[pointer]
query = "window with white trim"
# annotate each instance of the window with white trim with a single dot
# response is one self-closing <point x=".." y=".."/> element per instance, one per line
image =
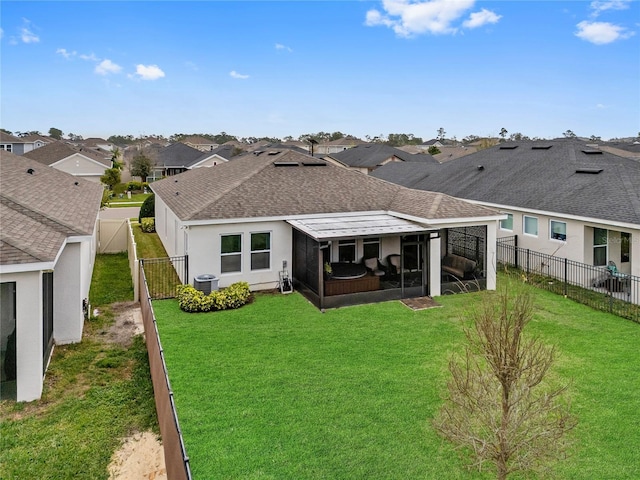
<point x="507" y="223"/>
<point x="7" y="147"/>
<point x="530" y="226"/>
<point x="231" y="253"/>
<point x="600" y="246"/>
<point x="371" y="247"/>
<point x="347" y="250"/>
<point x="260" y="251"/>
<point x="625" y="247"/>
<point x="558" y="230"/>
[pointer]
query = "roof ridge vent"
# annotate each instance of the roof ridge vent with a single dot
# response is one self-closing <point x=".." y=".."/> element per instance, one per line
<point x="286" y="164"/>
<point x="592" y="152"/>
<point x="508" y="147"/>
<point x="541" y="147"/>
<point x="314" y="164"/>
<point x="590" y="170"/>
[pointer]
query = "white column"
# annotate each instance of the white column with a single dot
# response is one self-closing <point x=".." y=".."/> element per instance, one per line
<point x="490" y="261"/>
<point x="434" y="267"/>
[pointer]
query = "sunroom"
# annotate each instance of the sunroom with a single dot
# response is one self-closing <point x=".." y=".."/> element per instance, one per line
<point x="353" y="259"/>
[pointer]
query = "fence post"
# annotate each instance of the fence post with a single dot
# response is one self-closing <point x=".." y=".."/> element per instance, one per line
<point x="527" y="262"/>
<point x="566" y="270"/>
<point x="515" y="243"/>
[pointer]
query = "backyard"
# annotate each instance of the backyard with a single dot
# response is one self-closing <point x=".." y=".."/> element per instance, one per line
<point x="278" y="389"/>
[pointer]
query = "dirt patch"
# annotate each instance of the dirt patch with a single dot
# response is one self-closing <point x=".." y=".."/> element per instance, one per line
<point x="127" y="323"/>
<point x="140" y="457"/>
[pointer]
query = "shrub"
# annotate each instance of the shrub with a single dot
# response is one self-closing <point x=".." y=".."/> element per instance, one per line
<point x="148" y="225"/>
<point x="192" y="300"/>
<point x="148" y="208"/>
<point x="134" y="186"/>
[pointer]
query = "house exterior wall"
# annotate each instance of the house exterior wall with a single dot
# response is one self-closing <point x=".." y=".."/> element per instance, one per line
<point x="205" y="247"/>
<point x="28" y="333"/>
<point x="579" y="242"/>
<point x="67" y="295"/>
<point x="80" y="166"/>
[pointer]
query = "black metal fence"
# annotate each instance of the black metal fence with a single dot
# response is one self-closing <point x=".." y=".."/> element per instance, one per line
<point x="163" y="275"/>
<point x="594" y="286"/>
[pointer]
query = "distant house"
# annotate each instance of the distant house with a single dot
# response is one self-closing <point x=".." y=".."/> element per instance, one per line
<point x="562" y="197"/>
<point x="272" y="212"/>
<point x="47" y="251"/>
<point x="366" y="158"/>
<point x="97" y="144"/>
<point x="178" y="157"/>
<point x="22" y="145"/>
<point x="200" y="143"/>
<point x="335" y="146"/>
<point x="79" y="162"/>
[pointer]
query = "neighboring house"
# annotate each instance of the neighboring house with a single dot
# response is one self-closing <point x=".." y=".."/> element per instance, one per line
<point x="47" y="252"/>
<point x="22" y="145"/>
<point x="366" y="158"/>
<point x="200" y="143"/>
<point x="79" y="162"/>
<point x="335" y="146"/>
<point x="451" y="153"/>
<point x="97" y="144"/>
<point x="271" y="211"/>
<point x="562" y="197"/>
<point x="178" y="157"/>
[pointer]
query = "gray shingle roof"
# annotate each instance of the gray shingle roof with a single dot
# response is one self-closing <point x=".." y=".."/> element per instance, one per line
<point x="178" y="155"/>
<point x="529" y="176"/>
<point x="374" y="154"/>
<point x="56" y="151"/>
<point x="256" y="186"/>
<point x="39" y="210"/>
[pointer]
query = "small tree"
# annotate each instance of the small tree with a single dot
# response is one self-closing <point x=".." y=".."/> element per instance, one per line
<point x="141" y="166"/>
<point x="433" y="150"/>
<point x="55" y="133"/>
<point x="441" y="133"/>
<point x="148" y="208"/>
<point x="503" y="133"/>
<point x="111" y="177"/>
<point x="498" y="404"/>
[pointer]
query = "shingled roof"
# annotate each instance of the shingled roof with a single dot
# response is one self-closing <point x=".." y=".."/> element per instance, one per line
<point x="561" y="176"/>
<point x="56" y="151"/>
<point x="288" y="183"/>
<point x="40" y="207"/>
<point x="372" y="155"/>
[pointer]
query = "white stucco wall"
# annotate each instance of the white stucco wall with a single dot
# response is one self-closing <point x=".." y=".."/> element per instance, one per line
<point x="204" y="252"/>
<point x="67" y="295"/>
<point x="28" y="333"/>
<point x="80" y="166"/>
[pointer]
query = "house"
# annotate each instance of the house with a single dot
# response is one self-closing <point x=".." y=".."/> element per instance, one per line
<point x="47" y="251"/>
<point x="179" y="157"/>
<point x="366" y="158"/>
<point x="78" y="161"/>
<point x="21" y="145"/>
<point x="276" y="212"/>
<point x="561" y="197"/>
<point x="200" y="143"/>
<point x="97" y="143"/>
<point x="335" y="146"/>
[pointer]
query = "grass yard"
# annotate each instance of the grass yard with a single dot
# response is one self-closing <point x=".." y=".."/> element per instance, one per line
<point x="148" y="245"/>
<point x="277" y="389"/>
<point x="96" y="393"/>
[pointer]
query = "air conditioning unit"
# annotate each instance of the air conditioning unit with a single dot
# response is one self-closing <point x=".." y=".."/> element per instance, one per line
<point x="206" y="283"/>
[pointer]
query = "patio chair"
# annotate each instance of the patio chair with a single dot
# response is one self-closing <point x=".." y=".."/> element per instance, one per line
<point x="374" y="266"/>
<point x="393" y="261"/>
<point x="613" y="280"/>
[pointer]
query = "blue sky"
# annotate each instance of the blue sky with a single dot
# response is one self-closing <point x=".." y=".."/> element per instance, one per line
<point x="366" y="68"/>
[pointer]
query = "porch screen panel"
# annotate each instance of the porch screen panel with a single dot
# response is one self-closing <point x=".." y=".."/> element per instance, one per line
<point x="47" y="316"/>
<point x="305" y="260"/>
<point x="468" y="242"/>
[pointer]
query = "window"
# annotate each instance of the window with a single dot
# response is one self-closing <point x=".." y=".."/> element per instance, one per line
<point x="558" y="230"/>
<point x="230" y="253"/>
<point x="371" y="248"/>
<point x="6" y="147"/>
<point x="507" y="224"/>
<point x="531" y="226"/>
<point x="599" y="247"/>
<point x="625" y="244"/>
<point x="347" y="250"/>
<point x="260" y="251"/>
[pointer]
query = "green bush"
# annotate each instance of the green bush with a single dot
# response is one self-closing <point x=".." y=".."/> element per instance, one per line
<point x="192" y="300"/>
<point x="148" y="225"/>
<point x="134" y="186"/>
<point x="148" y="208"/>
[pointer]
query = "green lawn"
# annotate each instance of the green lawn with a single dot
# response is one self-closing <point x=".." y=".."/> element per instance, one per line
<point x="280" y="390"/>
<point x="95" y="394"/>
<point x="148" y="245"/>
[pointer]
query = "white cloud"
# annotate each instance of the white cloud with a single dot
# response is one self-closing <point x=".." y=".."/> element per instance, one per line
<point x="149" y="72"/>
<point x="65" y="53"/>
<point x="235" y="74"/>
<point x="90" y="58"/>
<point x="27" y="36"/>
<point x="408" y="18"/>
<point x="599" y="6"/>
<point x="1" y="33"/>
<point x="280" y="46"/>
<point x="106" y="67"/>
<point x="483" y="17"/>
<point x="601" y="33"/>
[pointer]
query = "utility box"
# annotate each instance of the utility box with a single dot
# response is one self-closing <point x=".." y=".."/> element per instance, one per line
<point x="206" y="283"/>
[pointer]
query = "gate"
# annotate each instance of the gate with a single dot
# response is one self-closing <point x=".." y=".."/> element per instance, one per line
<point x="163" y="275"/>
